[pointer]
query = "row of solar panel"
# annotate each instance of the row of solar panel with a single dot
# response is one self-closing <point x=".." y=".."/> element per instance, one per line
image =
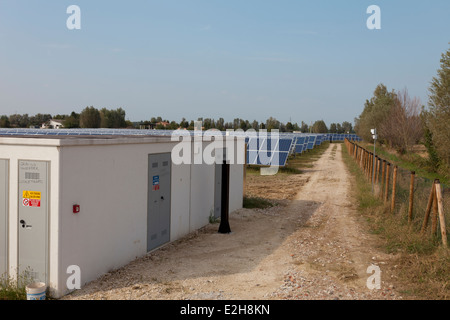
<point x="103" y="131"/>
<point x="81" y="132"/>
<point x="260" y="152"/>
<point x="262" y="149"/>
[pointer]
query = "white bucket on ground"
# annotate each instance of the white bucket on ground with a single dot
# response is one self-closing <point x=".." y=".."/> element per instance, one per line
<point x="36" y="291"/>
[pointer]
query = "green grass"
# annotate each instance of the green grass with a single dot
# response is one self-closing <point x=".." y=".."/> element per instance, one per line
<point x="12" y="289"/>
<point x="289" y="170"/>
<point x="256" y="203"/>
<point x="423" y="264"/>
<point x="255" y="170"/>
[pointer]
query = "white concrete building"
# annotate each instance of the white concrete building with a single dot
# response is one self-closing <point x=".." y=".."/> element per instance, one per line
<point x="99" y="202"/>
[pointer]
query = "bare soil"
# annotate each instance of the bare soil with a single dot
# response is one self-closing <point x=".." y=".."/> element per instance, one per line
<point x="312" y="245"/>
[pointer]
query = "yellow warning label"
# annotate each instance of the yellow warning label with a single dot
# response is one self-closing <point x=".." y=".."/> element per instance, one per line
<point x="31" y="195"/>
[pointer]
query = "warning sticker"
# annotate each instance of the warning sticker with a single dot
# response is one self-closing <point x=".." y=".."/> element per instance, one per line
<point x="155" y="183"/>
<point x="31" y="198"/>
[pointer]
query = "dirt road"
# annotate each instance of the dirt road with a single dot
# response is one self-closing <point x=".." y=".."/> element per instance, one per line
<point x="312" y="247"/>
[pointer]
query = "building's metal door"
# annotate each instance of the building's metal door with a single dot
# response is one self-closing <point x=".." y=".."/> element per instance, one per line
<point x="158" y="200"/>
<point x="33" y="218"/>
<point x="4" y="197"/>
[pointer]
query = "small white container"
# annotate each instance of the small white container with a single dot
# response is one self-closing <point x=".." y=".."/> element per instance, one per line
<point x="36" y="291"/>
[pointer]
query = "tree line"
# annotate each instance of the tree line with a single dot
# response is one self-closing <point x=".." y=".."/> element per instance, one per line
<point x="238" y="123"/>
<point x="402" y="122"/>
<point x="91" y="117"/>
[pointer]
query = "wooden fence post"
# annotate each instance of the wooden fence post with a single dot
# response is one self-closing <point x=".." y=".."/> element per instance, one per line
<point x="411" y="197"/>
<point x="394" y="187"/>
<point x="441" y="212"/>
<point x="434" y="217"/>
<point x="360" y="156"/>
<point x="383" y="177"/>
<point x="428" y="210"/>
<point x="386" y="190"/>
<point x="377" y="172"/>
<point x="371" y="166"/>
<point x="364" y="161"/>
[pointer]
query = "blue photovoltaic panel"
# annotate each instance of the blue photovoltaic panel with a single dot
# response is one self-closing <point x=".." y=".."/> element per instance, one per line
<point x="300" y="140"/>
<point x="282" y="158"/>
<point x="264" y="158"/>
<point x="277" y="159"/>
<point x="299" y="148"/>
<point x="252" y="157"/>
<point x="319" y="140"/>
<point x="253" y="144"/>
<point x="306" y="141"/>
<point x="311" y="142"/>
<point x="268" y="151"/>
<point x="285" y="145"/>
<point x="299" y="144"/>
<point x="84" y="132"/>
<point x="294" y="143"/>
<point x="322" y="138"/>
<point x="268" y="144"/>
<point x="305" y="144"/>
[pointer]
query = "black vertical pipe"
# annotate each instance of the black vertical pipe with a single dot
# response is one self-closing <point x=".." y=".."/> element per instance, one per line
<point x="224" y="226"/>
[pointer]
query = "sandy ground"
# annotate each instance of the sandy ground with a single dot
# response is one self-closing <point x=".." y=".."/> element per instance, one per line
<point x="311" y="246"/>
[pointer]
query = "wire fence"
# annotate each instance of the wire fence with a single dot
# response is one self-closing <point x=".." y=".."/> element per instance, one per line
<point x="422" y="203"/>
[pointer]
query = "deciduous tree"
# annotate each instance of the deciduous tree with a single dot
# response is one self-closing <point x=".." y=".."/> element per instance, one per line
<point x="438" y="115"/>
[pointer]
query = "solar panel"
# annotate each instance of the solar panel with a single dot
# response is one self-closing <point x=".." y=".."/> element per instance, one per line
<point x="268" y="151"/>
<point x="311" y="142"/>
<point x="318" y="140"/>
<point x="299" y="144"/>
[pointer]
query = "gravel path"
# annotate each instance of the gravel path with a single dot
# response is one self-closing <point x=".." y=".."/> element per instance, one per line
<point x="312" y="247"/>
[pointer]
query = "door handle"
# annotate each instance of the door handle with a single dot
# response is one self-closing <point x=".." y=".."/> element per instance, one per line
<point x="22" y="222"/>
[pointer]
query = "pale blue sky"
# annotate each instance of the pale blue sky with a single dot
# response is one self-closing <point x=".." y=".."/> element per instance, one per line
<point x="250" y="59"/>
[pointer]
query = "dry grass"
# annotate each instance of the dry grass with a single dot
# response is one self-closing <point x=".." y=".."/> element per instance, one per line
<point x="423" y="265"/>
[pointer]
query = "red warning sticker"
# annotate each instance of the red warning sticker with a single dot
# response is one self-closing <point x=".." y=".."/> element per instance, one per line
<point x="31" y="199"/>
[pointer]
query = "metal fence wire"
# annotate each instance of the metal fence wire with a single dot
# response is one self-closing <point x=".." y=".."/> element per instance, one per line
<point x="415" y="199"/>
